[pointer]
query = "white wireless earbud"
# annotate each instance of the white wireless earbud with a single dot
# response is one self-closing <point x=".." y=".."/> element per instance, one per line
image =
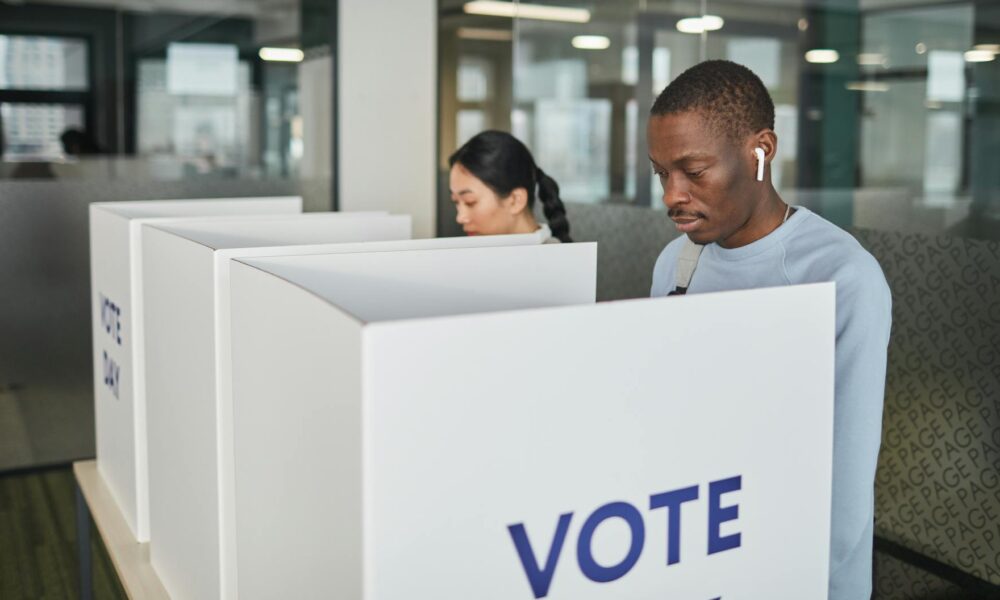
<point x="760" y="163"/>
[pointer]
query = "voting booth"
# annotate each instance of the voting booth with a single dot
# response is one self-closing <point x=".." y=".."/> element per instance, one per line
<point x="116" y="288"/>
<point x="456" y="424"/>
<point x="185" y="267"/>
<point x="190" y="422"/>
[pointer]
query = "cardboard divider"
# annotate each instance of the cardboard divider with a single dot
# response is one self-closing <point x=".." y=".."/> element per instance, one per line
<point x="184" y="267"/>
<point x="444" y="282"/>
<point x="443" y="443"/>
<point x="116" y="292"/>
<point x="193" y="357"/>
<point x="493" y="433"/>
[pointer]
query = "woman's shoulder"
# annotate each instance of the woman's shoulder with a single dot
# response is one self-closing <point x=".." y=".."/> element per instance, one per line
<point x="545" y="234"/>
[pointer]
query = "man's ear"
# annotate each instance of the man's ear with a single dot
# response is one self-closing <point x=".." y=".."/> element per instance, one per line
<point x="517" y="201"/>
<point x="766" y="140"/>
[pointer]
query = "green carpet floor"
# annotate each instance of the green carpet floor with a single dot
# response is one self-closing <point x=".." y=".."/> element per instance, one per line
<point x="38" y="552"/>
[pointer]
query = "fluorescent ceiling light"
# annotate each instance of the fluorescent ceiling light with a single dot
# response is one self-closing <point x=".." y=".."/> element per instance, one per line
<point x="822" y="56"/>
<point x="871" y="59"/>
<point x="976" y="56"/>
<point x="488" y="35"/>
<point x="700" y="24"/>
<point x="591" y="42"/>
<point x="868" y="86"/>
<point x="712" y="22"/>
<point x="994" y="48"/>
<point x="690" y="25"/>
<point x="527" y="11"/>
<point x="281" y="54"/>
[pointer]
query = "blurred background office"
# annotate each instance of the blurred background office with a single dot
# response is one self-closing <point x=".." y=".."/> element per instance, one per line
<point x="888" y="118"/>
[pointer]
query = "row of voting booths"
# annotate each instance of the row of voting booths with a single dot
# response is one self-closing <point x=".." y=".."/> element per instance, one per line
<point x="315" y="405"/>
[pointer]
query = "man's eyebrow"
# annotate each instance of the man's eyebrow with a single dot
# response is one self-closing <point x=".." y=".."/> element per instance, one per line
<point x="694" y="156"/>
<point x="690" y="156"/>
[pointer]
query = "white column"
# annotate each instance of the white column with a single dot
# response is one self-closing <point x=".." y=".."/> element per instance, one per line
<point x="386" y="87"/>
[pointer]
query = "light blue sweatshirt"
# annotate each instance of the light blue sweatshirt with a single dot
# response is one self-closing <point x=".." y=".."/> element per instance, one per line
<point x="809" y="249"/>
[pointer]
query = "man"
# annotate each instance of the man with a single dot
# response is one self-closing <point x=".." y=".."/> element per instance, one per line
<point x="711" y="141"/>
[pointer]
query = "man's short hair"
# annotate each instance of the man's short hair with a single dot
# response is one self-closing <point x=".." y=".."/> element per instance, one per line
<point x="731" y="98"/>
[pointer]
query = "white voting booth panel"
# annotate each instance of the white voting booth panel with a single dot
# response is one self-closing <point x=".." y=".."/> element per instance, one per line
<point x="189" y="398"/>
<point x="394" y="442"/>
<point x="185" y="267"/>
<point x="116" y="284"/>
<point x="210" y="234"/>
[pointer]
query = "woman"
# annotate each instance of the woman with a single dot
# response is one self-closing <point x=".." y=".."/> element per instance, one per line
<point x="493" y="184"/>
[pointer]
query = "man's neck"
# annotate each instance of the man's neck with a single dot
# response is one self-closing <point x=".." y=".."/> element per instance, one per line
<point x="768" y="216"/>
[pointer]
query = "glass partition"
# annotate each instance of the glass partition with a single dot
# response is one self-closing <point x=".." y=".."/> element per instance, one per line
<point x="885" y="111"/>
<point x="174" y="93"/>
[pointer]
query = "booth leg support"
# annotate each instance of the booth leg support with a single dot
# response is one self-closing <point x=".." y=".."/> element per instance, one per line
<point x="83" y="546"/>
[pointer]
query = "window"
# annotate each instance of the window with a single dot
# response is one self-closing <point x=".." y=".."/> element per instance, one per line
<point x="32" y="131"/>
<point x="43" y="63"/>
<point x="44" y="92"/>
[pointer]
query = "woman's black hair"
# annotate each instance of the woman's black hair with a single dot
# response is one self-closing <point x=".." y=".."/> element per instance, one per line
<point x="504" y="164"/>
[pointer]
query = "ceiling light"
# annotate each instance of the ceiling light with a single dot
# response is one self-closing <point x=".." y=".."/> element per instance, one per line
<point x="527" y="11"/>
<point x="822" y="56"/>
<point x="868" y="86"/>
<point x="920" y="48"/>
<point x="871" y="59"/>
<point x="281" y="54"/>
<point x="691" y="25"/>
<point x="483" y="34"/>
<point x="591" y="42"/>
<point x="994" y="48"/>
<point x="700" y="24"/>
<point x="712" y="22"/>
<point x="977" y="56"/>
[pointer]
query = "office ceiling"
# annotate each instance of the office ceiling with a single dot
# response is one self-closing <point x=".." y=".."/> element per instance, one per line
<point x="262" y="8"/>
<point x="686" y="5"/>
<point x="248" y="8"/>
<point x="987" y="12"/>
<point x="283" y="15"/>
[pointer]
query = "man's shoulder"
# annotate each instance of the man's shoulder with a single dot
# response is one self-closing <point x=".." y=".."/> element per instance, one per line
<point x="663" y="271"/>
<point x="672" y="250"/>
<point x="825" y="252"/>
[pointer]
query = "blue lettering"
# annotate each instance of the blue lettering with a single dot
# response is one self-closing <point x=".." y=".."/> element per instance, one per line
<point x="539" y="579"/>
<point x="591" y="569"/>
<point x="111" y="319"/>
<point x="718" y="515"/>
<point x="112" y="374"/>
<point x="672" y="501"/>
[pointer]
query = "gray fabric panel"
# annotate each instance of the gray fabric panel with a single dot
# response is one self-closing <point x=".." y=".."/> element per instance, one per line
<point x="897" y="580"/>
<point x="938" y="483"/>
<point x="629" y="240"/>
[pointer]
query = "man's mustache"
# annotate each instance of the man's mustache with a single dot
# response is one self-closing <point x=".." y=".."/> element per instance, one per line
<point x="674" y="213"/>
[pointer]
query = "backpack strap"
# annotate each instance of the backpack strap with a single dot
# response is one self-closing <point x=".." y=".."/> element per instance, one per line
<point x="687" y="262"/>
